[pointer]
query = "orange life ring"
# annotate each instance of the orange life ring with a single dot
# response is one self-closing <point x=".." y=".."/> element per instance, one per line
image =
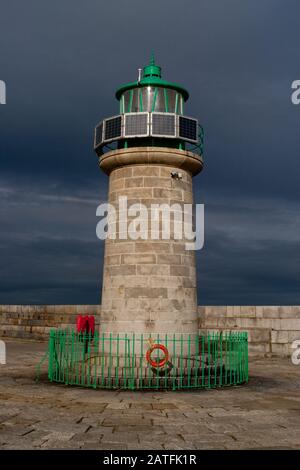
<point x="163" y="361"/>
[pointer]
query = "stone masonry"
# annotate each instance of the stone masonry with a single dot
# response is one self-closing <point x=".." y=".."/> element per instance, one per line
<point x="272" y="329"/>
<point x="149" y="285"/>
<point x="264" y="414"/>
<point x="34" y="322"/>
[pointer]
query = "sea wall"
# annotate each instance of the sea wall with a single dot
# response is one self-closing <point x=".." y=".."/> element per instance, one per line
<point x="272" y="329"/>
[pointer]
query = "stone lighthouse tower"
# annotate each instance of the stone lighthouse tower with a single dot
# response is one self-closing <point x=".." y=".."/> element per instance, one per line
<point x="150" y="151"/>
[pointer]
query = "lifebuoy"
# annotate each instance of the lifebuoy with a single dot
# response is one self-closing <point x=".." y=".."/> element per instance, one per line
<point x="163" y="361"/>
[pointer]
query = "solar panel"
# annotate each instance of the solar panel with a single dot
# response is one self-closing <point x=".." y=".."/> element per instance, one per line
<point x="143" y="124"/>
<point x="188" y="128"/>
<point x="112" y="128"/>
<point x="136" y="124"/>
<point x="98" y="134"/>
<point x="163" y="124"/>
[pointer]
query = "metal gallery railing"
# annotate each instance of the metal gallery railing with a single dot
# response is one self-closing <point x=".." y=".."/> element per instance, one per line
<point x="119" y="131"/>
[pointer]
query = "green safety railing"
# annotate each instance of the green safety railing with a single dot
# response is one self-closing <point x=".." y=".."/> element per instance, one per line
<point x="131" y="361"/>
<point x="199" y="147"/>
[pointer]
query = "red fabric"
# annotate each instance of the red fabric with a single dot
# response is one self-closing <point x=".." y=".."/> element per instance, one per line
<point x="81" y="320"/>
<point x="85" y="324"/>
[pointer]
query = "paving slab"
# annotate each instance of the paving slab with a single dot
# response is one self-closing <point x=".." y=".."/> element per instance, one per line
<point x="263" y="414"/>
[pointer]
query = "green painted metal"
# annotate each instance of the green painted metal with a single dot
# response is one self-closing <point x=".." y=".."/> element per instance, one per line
<point x="130" y="102"/>
<point x="176" y="104"/>
<point x="195" y="148"/>
<point x="122" y="105"/>
<point x="141" y="101"/>
<point x="166" y="100"/>
<point x="109" y="360"/>
<point x="152" y="77"/>
<point x="152" y="70"/>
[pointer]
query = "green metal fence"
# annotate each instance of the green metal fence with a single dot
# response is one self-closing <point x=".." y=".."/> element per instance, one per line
<point x="129" y="361"/>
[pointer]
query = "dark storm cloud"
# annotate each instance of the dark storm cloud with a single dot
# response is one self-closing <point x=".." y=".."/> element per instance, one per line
<point x="50" y="269"/>
<point x="62" y="62"/>
<point x="54" y="255"/>
<point x="252" y="250"/>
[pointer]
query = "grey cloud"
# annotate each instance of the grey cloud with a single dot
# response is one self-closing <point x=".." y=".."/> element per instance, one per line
<point x="62" y="62"/>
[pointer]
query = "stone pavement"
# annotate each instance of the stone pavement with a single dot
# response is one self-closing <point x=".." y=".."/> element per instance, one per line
<point x="264" y="414"/>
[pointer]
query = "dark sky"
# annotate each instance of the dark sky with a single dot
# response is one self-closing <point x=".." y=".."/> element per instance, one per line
<point x="62" y="61"/>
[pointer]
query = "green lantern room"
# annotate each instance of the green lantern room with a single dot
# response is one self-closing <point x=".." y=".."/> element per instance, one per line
<point x="151" y="114"/>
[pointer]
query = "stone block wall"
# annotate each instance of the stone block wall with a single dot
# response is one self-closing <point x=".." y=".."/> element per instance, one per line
<point x="35" y="321"/>
<point x="149" y="281"/>
<point x="271" y="329"/>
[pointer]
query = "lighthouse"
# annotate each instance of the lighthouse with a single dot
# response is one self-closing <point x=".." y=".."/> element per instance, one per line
<point x="149" y="337"/>
<point x="150" y="151"/>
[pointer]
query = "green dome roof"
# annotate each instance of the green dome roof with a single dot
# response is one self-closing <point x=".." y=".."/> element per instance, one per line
<point x="152" y="77"/>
